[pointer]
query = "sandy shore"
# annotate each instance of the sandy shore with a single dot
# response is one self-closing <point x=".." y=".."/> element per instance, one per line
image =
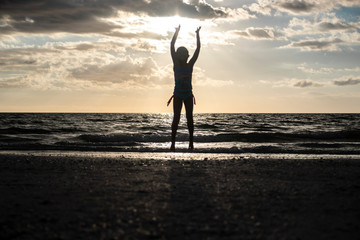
<point x="47" y="197"/>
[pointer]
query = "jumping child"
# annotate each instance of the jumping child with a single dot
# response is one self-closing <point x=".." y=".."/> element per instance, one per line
<point x="183" y="87"/>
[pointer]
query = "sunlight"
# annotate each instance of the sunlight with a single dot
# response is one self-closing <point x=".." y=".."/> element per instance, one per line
<point x="163" y="25"/>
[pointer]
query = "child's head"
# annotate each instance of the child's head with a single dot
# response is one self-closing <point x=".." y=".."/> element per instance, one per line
<point x="182" y="54"/>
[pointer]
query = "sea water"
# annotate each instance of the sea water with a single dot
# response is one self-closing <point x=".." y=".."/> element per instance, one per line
<point x="305" y="134"/>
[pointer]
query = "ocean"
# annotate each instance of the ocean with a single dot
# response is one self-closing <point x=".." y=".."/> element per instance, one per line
<point x="235" y="134"/>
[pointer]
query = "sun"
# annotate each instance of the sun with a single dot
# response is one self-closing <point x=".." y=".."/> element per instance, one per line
<point x="132" y="23"/>
<point x="157" y="31"/>
<point x="163" y="25"/>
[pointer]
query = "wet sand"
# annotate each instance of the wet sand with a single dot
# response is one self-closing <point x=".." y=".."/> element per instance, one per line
<point x="54" y="197"/>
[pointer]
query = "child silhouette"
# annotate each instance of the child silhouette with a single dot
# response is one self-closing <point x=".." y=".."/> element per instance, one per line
<point x="183" y="86"/>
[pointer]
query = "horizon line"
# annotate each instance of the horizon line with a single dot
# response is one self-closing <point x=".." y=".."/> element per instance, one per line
<point x="194" y="112"/>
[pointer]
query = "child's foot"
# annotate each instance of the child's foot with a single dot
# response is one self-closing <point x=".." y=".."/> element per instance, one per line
<point x="191" y="146"/>
<point x="172" y="148"/>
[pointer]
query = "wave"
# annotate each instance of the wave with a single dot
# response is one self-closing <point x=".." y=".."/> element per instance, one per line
<point x="123" y="138"/>
<point x="326" y="145"/>
<point x="17" y="130"/>
<point x="346" y="135"/>
<point x="150" y="136"/>
<point x="353" y="136"/>
<point x="233" y="150"/>
<point x="206" y="126"/>
<point x="16" y="139"/>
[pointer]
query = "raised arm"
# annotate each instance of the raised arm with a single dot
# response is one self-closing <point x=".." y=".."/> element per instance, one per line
<point x="197" y="51"/>
<point x="172" y="45"/>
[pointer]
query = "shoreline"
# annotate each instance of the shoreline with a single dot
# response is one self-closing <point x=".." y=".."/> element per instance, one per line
<point x="92" y="197"/>
<point x="179" y="155"/>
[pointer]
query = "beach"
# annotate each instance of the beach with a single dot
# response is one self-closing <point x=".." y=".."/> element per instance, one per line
<point x="59" y="196"/>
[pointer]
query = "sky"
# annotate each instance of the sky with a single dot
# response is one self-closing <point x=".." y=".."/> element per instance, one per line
<point x="264" y="56"/>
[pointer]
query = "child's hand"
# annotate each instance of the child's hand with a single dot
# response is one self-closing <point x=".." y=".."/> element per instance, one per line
<point x="197" y="30"/>
<point x="177" y="29"/>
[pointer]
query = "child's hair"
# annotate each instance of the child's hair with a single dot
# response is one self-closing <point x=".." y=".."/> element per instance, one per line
<point x="182" y="50"/>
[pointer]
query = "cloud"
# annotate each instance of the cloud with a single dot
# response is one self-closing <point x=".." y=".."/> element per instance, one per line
<point x="88" y="65"/>
<point x="260" y="8"/>
<point x="347" y="82"/>
<point x="164" y="8"/>
<point x="40" y="16"/>
<point x="307" y="83"/>
<point x="293" y="82"/>
<point x="236" y="14"/>
<point x="324" y="33"/>
<point x="77" y="67"/>
<point x="84" y="47"/>
<point x="294" y="7"/>
<point x="47" y="16"/>
<point x="258" y="33"/>
<point x="322" y="70"/>
<point x="315" y="69"/>
<point x="127" y="71"/>
<point x="139" y="73"/>
<point x="328" y="26"/>
<point x="299" y="7"/>
<point x="48" y="67"/>
<point x="16" y="62"/>
<point x="355" y="69"/>
<point x="316" y="45"/>
<point x="15" y="82"/>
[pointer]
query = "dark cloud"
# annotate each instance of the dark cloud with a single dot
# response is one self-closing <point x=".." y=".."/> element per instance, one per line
<point x="16" y="62"/>
<point x="241" y="33"/>
<point x="297" y="6"/>
<point x="316" y="44"/>
<point x="350" y="81"/>
<point x="207" y="11"/>
<point x="40" y="16"/>
<point x="300" y="7"/>
<point x="84" y="16"/>
<point x="326" y="26"/>
<point x="294" y="7"/>
<point x="258" y="33"/>
<point x="306" y="83"/>
<point x="84" y="47"/>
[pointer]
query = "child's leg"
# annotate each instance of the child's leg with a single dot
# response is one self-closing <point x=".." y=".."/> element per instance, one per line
<point x="177" y="105"/>
<point x="189" y="106"/>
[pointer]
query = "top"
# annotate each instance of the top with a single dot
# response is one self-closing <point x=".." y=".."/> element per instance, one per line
<point x="183" y="86"/>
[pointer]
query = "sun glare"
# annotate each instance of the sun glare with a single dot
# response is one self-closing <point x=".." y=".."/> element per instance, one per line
<point x="163" y="25"/>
